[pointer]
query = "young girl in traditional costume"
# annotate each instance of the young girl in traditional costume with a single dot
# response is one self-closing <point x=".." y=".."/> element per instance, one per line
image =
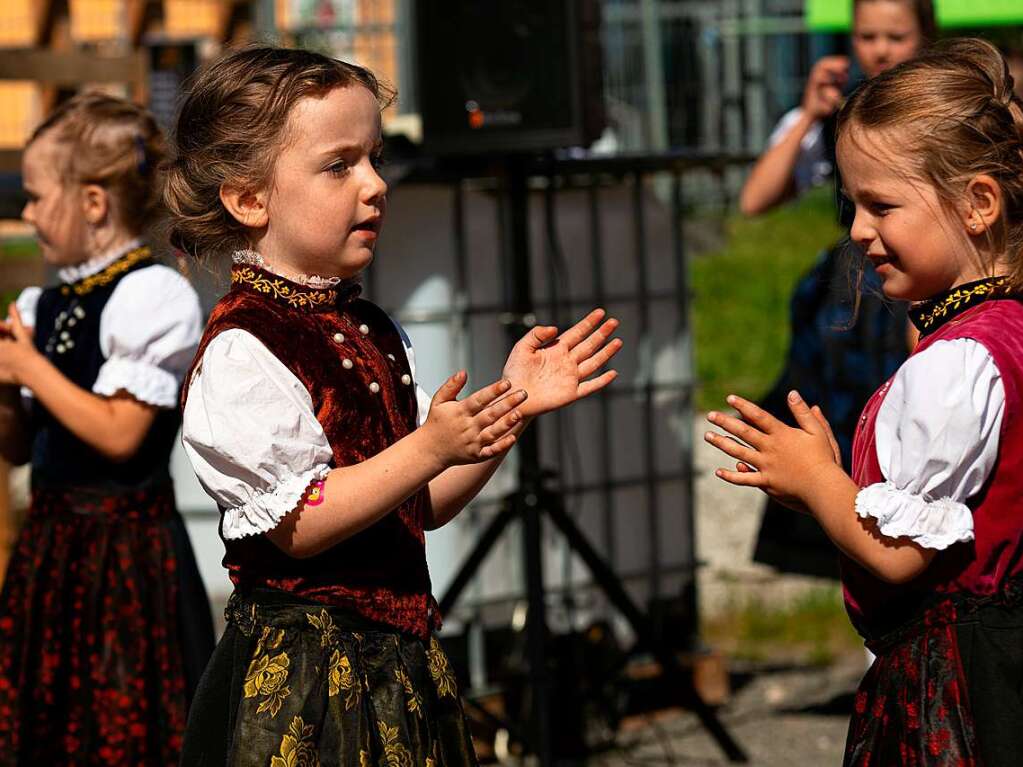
<point x="929" y="523"/>
<point x="302" y="420"/>
<point x="104" y="624"/>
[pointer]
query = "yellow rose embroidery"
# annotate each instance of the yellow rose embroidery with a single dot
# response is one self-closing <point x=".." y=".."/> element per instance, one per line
<point x="267" y="675"/>
<point x="413" y="700"/>
<point x="394" y="751"/>
<point x="297" y="747"/>
<point x="340" y="677"/>
<point x="325" y="624"/>
<point x="442" y="675"/>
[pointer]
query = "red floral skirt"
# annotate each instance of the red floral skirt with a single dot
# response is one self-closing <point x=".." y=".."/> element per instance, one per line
<point x="946" y="687"/>
<point x="103" y="624"/>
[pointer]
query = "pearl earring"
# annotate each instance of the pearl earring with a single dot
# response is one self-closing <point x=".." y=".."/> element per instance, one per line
<point x="973" y="227"/>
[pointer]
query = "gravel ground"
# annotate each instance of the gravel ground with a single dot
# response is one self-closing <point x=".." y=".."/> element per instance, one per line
<point x="782" y="717"/>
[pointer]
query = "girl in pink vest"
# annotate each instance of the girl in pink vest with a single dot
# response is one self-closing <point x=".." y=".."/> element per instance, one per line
<point x="303" y="420"/>
<point x="930" y="524"/>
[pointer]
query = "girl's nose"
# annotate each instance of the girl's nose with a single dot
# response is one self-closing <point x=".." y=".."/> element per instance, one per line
<point x="861" y="232"/>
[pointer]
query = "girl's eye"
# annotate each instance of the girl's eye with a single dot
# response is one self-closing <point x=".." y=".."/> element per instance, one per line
<point x="339" y="168"/>
<point x="378" y="160"/>
<point x="880" y="208"/>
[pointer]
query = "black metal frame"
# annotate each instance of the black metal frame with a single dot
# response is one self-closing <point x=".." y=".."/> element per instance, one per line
<point x="533" y="501"/>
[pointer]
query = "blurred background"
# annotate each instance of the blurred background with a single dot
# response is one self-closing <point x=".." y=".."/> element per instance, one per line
<point x="641" y="122"/>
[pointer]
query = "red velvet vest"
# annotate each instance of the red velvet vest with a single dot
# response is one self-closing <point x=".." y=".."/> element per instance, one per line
<point x="982" y="565"/>
<point x="349" y="355"/>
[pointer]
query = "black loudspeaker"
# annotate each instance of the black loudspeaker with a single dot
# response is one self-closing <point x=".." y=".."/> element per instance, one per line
<point x="508" y="75"/>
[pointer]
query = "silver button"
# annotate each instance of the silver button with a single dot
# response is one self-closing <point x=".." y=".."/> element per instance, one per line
<point x="364" y="329"/>
<point x="339" y="338"/>
<point x="79" y="312"/>
<point x="60" y="348"/>
<point x="346" y="364"/>
<point x="69" y="344"/>
<point x="374" y="387"/>
<point x="64" y="336"/>
<point x="71" y="322"/>
<point x="406" y="379"/>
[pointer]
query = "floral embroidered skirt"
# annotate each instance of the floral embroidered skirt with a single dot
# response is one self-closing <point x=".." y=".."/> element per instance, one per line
<point x="946" y="688"/>
<point x="104" y="630"/>
<point x="295" y="683"/>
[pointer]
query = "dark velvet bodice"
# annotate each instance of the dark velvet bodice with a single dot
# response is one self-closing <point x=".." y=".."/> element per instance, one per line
<point x="67" y="331"/>
<point x="349" y="355"/>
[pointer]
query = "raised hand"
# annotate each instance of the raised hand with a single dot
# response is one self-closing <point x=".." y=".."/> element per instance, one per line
<point x="823" y="94"/>
<point x="780" y="460"/>
<point x="477" y="428"/>
<point x="556" y="369"/>
<point x="16" y="347"/>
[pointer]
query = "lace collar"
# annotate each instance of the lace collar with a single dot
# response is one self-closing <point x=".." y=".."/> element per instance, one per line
<point x="931" y="314"/>
<point x="96" y="264"/>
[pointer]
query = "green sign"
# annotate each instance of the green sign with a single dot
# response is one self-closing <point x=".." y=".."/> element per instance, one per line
<point x="836" y="15"/>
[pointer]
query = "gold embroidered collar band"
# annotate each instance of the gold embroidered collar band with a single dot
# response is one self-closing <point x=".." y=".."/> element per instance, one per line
<point x="931" y="314"/>
<point x="106" y="275"/>
<point x="292" y="294"/>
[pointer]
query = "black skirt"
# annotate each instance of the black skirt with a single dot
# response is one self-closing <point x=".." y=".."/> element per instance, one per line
<point x="104" y="628"/>
<point x="946" y="688"/>
<point x="295" y="683"/>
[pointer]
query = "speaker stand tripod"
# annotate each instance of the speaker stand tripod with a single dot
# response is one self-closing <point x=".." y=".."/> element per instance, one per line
<point x="532" y="503"/>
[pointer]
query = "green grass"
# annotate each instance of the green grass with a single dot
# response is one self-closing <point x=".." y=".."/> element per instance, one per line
<point x="741" y="295"/>
<point x="11" y="250"/>
<point x="813" y="629"/>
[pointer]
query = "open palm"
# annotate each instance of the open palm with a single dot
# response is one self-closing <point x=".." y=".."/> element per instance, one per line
<point x="555" y="369"/>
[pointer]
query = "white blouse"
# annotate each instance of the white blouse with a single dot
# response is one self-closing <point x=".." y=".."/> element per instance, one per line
<point x="937" y="440"/>
<point x="251" y="434"/>
<point x="149" y="330"/>
<point x="813" y="167"/>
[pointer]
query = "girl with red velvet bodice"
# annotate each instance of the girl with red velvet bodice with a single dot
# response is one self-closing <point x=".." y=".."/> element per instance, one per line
<point x="304" y="421"/>
<point x="928" y="525"/>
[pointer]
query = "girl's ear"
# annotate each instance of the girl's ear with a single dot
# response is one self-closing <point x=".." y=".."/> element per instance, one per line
<point x="983" y="204"/>
<point x="95" y="203"/>
<point x="247" y="207"/>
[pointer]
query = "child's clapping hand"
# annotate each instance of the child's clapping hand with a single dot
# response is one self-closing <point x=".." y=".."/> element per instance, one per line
<point x="556" y="369"/>
<point x="781" y="460"/>
<point x="477" y="428"/>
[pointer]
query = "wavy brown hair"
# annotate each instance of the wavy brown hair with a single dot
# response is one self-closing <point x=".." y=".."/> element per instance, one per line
<point x="231" y="128"/>
<point x="951" y="115"/>
<point x="115" y="144"/>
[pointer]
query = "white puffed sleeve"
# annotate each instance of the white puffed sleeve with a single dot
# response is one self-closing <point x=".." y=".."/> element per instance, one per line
<point x="26" y="302"/>
<point x="423" y="398"/>
<point x="148" y="332"/>
<point x="937" y="442"/>
<point x="251" y="434"/>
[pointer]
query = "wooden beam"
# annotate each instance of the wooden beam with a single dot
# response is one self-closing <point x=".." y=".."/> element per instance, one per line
<point x="72" y="67"/>
<point x="10" y="161"/>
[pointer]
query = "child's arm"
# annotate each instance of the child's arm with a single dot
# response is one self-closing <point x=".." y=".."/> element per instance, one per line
<point x="478" y="428"/>
<point x="555" y="370"/>
<point x="115" y="427"/>
<point x="797" y="466"/>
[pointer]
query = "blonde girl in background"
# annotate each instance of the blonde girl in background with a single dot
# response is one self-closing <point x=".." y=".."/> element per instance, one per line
<point x="104" y="623"/>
